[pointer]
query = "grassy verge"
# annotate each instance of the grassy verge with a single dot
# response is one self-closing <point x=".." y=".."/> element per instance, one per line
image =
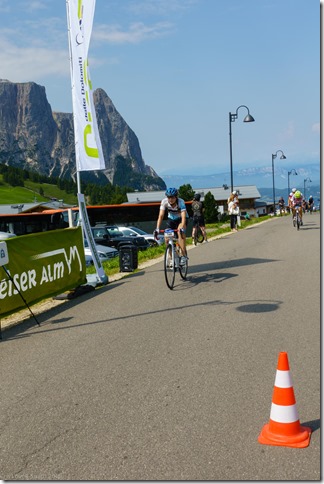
<point x="30" y="193"/>
<point x="111" y="267"/>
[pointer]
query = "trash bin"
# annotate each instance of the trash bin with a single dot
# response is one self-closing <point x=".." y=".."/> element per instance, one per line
<point x="128" y="257"/>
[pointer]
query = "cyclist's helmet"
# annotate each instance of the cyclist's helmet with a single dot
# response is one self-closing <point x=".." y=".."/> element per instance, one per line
<point x="197" y="196"/>
<point x="297" y="194"/>
<point x="171" y="192"/>
<point x="293" y="190"/>
<point x="234" y="193"/>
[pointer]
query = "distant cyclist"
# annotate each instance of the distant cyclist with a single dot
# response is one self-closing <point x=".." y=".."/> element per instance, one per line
<point x="281" y="204"/>
<point x="198" y="216"/>
<point x="177" y="218"/>
<point x="290" y="201"/>
<point x="310" y="204"/>
<point x="297" y="202"/>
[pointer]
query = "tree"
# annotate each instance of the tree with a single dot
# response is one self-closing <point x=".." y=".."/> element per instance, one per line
<point x="211" y="209"/>
<point x="186" y="192"/>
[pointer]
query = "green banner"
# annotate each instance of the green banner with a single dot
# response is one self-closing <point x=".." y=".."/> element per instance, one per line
<point x="40" y="266"/>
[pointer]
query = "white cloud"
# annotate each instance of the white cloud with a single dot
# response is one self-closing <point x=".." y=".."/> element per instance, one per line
<point x="137" y="32"/>
<point x="22" y="64"/>
<point x="160" y="7"/>
<point x="35" y="5"/>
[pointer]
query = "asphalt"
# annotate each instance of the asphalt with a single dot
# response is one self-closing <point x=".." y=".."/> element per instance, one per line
<point x="50" y="303"/>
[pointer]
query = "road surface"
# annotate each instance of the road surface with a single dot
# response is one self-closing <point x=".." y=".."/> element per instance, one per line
<point x="137" y="382"/>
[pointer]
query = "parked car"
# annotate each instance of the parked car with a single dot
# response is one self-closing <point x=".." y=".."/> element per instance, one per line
<point x="105" y="253"/>
<point x="135" y="232"/>
<point x="109" y="235"/>
<point x="6" y="235"/>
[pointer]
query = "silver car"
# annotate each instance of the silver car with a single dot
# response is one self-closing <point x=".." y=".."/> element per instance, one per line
<point x="105" y="253"/>
<point x="135" y="232"/>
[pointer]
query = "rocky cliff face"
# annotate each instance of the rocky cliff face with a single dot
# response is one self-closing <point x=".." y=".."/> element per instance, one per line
<point x="35" y="138"/>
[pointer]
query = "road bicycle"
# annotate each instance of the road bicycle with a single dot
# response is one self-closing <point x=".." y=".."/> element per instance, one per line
<point x="296" y="220"/>
<point x="172" y="258"/>
<point x="198" y="235"/>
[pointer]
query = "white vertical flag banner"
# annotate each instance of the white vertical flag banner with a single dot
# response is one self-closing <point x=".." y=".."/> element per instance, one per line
<point x="88" y="149"/>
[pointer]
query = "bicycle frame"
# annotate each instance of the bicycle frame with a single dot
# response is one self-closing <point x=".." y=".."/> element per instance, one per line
<point x="296" y="218"/>
<point x="172" y="257"/>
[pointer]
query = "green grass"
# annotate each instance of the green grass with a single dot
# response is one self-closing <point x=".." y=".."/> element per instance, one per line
<point x="30" y="193"/>
<point x="111" y="267"/>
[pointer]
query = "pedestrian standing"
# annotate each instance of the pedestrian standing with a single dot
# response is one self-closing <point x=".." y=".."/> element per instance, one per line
<point x="233" y="209"/>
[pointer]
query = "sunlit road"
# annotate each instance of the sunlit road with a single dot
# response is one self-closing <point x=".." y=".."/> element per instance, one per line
<point x="137" y="382"/>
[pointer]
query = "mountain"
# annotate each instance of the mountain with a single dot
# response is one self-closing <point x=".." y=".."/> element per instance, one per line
<point x="258" y="176"/>
<point x="35" y="138"/>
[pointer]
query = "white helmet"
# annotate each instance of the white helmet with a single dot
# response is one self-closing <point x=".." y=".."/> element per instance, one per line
<point x="293" y="190"/>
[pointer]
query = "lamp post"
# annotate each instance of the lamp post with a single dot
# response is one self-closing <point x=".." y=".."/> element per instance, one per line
<point x="309" y="180"/>
<point x="291" y="172"/>
<point x="248" y="119"/>
<point x="282" y="157"/>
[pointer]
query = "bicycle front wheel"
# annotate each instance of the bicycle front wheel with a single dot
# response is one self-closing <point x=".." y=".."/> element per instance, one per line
<point x="183" y="269"/>
<point x="298" y="222"/>
<point x="169" y="267"/>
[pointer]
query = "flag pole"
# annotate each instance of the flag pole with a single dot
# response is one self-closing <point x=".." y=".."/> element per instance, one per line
<point x="88" y="150"/>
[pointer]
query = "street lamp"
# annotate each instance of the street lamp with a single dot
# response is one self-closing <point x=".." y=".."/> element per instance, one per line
<point x="309" y="180"/>
<point x="282" y="157"/>
<point x="291" y="172"/>
<point x="248" y="119"/>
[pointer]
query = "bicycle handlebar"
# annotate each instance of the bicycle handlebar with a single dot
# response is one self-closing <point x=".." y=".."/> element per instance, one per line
<point x="166" y="230"/>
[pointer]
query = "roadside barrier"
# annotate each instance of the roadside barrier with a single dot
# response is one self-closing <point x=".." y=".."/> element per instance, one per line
<point x="284" y="427"/>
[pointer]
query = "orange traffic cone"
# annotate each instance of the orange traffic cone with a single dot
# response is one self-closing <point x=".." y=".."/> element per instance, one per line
<point x="284" y="427"/>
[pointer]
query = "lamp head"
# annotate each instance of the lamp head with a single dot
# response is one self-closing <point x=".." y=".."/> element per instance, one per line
<point x="248" y="118"/>
<point x="282" y="157"/>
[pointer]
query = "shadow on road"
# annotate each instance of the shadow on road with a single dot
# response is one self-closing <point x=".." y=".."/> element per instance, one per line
<point x="258" y="308"/>
<point x="18" y="332"/>
<point x="192" y="279"/>
<point x="313" y="424"/>
<point x="212" y="266"/>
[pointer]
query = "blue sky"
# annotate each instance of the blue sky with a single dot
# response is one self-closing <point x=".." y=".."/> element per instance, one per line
<point x="174" y="69"/>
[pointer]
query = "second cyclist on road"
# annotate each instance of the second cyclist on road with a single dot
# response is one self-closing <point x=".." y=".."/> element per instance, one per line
<point x="198" y="216"/>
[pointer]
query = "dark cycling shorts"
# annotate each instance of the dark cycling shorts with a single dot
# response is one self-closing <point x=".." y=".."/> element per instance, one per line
<point x="173" y="224"/>
<point x="200" y="220"/>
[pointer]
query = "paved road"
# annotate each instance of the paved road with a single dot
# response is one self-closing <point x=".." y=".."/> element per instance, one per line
<point x="137" y="382"/>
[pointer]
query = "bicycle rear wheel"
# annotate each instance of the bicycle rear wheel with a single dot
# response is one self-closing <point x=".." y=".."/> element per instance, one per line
<point x="169" y="267"/>
<point x="195" y="237"/>
<point x="200" y="236"/>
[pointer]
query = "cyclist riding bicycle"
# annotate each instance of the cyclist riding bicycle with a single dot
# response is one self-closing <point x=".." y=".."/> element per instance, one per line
<point x="281" y="204"/>
<point x="177" y="218"/>
<point x="310" y="204"/>
<point x="297" y="202"/>
<point x="198" y="216"/>
<point x="290" y="200"/>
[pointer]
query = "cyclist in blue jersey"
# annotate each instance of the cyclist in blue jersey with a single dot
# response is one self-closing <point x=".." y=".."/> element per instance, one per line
<point x="177" y="217"/>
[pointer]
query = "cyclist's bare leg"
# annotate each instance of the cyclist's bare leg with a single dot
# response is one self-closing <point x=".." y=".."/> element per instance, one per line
<point x="182" y="243"/>
<point x="301" y="214"/>
<point x="203" y="229"/>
